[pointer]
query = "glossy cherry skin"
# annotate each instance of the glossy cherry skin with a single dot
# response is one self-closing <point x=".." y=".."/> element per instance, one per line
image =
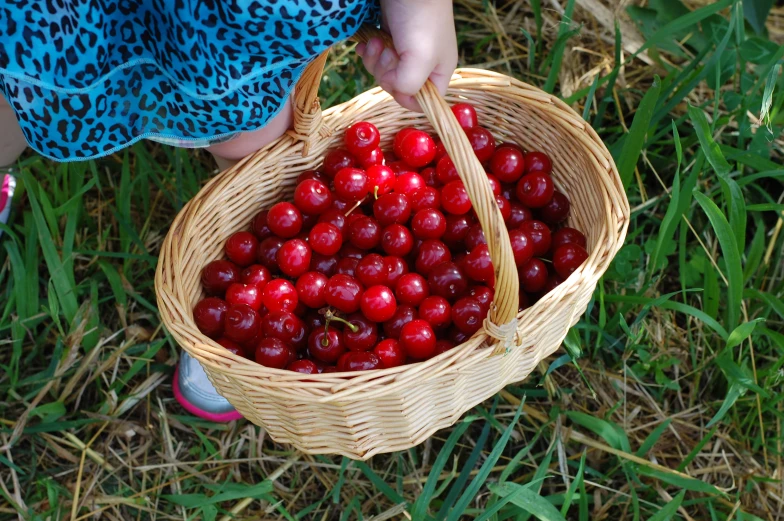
<point x="361" y="138"/>
<point x="456" y="336"/>
<point x="440" y="149"/>
<point x="538" y="162"/>
<point x="325" y="264"/>
<point x="482" y="141"/>
<point x="397" y="240"/>
<point x="378" y="303"/>
<point x="556" y="210"/>
<point x="248" y="294"/>
<point x="518" y="215"/>
<point x="313" y="174"/>
<point x="241" y="323"/>
<point x="507" y="164"/>
<point x="495" y="184"/>
<point x="411" y="289"/>
<point x="446" y="171"/>
<point x="567" y="258"/>
<point x="428" y="224"/>
<point x="285" y="220"/>
<point x="475" y="237"/>
<point x="390" y="353"/>
<point x="325" y="238"/>
<point x="360" y="361"/>
<point x="273" y="352"/>
<point x="567" y="236"/>
<point x="465" y="114"/>
<point x="364" y="233"/>
<point x="553" y="281"/>
<point x="535" y="189"/>
<point x="533" y="275"/>
<point x="311" y="289"/>
<point x="454" y="198"/>
<point x="351" y="184"/>
<point x="347" y="266"/>
<point x="402" y="316"/>
<point x="442" y="346"/>
<point x="303" y="366"/>
<point x="209" y="315"/>
<point x="467" y="315"/>
<point x="540" y="236"/>
<point x="241" y="248"/>
<point x="294" y="257"/>
<point x="457" y="227"/>
<point x="483" y="295"/>
<point x="218" y="275"/>
<point x="257" y="275"/>
<point x="334" y="217"/>
<point x="436" y="311"/>
<point x="232" y="346"/>
<point x="398" y="167"/>
<point x="330" y="352"/>
<point x="343" y="293"/>
<point x="522" y="246"/>
<point x="510" y="144"/>
<point x="349" y="251"/>
<point x="285" y="326"/>
<point x="392" y="208"/>
<point x="418" y="339"/>
<point x="395" y="267"/>
<point x="381" y="179"/>
<point x="430" y="177"/>
<point x="431" y="253"/>
<point x="426" y="197"/>
<point x="364" y="338"/>
<point x="478" y="264"/>
<point x="416" y="148"/>
<point x="446" y="280"/>
<point x="370" y="270"/>
<point x="504" y="207"/>
<point x="408" y="183"/>
<point x="336" y="160"/>
<point x="259" y="226"/>
<point x="312" y="197"/>
<point x="279" y="295"/>
<point x="373" y="158"/>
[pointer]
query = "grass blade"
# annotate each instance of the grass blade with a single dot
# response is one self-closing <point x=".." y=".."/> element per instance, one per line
<point x="634" y="140"/>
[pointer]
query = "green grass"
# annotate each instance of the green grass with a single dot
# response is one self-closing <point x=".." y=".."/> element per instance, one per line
<point x="673" y="410"/>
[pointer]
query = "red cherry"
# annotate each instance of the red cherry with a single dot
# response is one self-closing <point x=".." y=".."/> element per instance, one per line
<point x="555" y="211"/>
<point x="411" y="289"/>
<point x="478" y="264"/>
<point x="467" y="315"/>
<point x="436" y="311"/>
<point x="362" y="362"/>
<point x="457" y="337"/>
<point x="209" y="315"/>
<point x="507" y="164"/>
<point x="351" y="252"/>
<point x="482" y="142"/>
<point x="418" y="340"/>
<point x="465" y="114"/>
<point x="325" y="264"/>
<point x="347" y="266"/>
<point x="446" y="280"/>
<point x="504" y="207"/>
<point x="267" y="253"/>
<point x="416" y="148"/>
<point x="371" y="271"/>
<point x="334" y="217"/>
<point x="475" y="237"/>
<point x="395" y="268"/>
<point x="336" y="160"/>
<point x="457" y="227"/>
<point x="248" y="294"/>
<point x="454" y="198"/>
<point x="398" y="167"/>
<point x="539" y="233"/>
<point x="272" y="352"/>
<point x="538" y="162"/>
<point x="231" y="346"/>
<point x="440" y="149"/>
<point x="343" y="293"/>
<point x="535" y="189"/>
<point x="423" y="198"/>
<point x="257" y="275"/>
<point x="294" y="257"/>
<point x="495" y="184"/>
<point x="313" y="174"/>
<point x="428" y="224"/>
<point x="431" y="254"/>
<point x="567" y="236"/>
<point x="430" y="177"/>
<point x="442" y="346"/>
<point x="390" y="353"/>
<point x="303" y="366"/>
<point x="365" y="336"/>
<point x="402" y="316"/>
<point x="241" y="324"/>
<point x="351" y="184"/>
<point x="279" y="295"/>
<point x="311" y="289"/>
<point x="483" y="295"/>
<point x="241" y="248"/>
<point x="553" y="281"/>
<point x="518" y="215"/>
<point x="381" y="179"/>
<point x="286" y="327"/>
<point x="446" y="171"/>
<point x="397" y="240"/>
<point x="522" y="246"/>
<point x="285" y="220"/>
<point x="325" y="239"/>
<point x="312" y="197"/>
<point x="408" y="183"/>
<point x="218" y="275"/>
<point x="364" y="233"/>
<point x="326" y="346"/>
<point x="515" y="146"/>
<point x="378" y="303"/>
<point x="523" y="301"/>
<point x="567" y="258"/>
<point x="259" y="226"/>
<point x="533" y="275"/>
<point x="372" y="158"/>
<point x="362" y="138"/>
<point x="391" y="209"/>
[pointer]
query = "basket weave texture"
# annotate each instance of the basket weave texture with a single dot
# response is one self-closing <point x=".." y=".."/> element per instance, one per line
<point x="360" y="415"/>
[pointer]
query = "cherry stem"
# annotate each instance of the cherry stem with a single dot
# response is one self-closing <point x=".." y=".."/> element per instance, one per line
<point x="329" y="317"/>
<point x="354" y="207"/>
<point x="375" y="192"/>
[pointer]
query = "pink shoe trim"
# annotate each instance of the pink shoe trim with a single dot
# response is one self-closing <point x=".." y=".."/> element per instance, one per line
<point x="4" y="191"/>
<point x="209" y="416"/>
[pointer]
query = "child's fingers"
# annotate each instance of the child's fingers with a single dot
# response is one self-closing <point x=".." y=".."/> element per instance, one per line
<point x="409" y="75"/>
<point x="371" y="54"/>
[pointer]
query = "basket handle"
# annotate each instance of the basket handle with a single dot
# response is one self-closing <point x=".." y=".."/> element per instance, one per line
<point x="309" y="125"/>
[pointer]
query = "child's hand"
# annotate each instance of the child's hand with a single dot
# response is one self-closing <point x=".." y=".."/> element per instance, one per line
<point x="425" y="47"/>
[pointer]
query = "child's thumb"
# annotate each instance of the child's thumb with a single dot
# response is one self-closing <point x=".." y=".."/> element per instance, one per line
<point x="409" y="75"/>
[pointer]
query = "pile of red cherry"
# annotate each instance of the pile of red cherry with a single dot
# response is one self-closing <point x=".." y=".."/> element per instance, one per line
<point x="378" y="263"/>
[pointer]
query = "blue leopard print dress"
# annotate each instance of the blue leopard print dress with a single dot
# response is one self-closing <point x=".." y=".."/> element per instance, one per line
<point x="86" y="78"/>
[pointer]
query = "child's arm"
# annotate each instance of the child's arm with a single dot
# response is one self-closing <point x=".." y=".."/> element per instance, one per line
<point x="425" y="47"/>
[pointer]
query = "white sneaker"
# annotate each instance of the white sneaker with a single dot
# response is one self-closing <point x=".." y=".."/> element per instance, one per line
<point x="197" y="395"/>
<point x="6" y="197"/>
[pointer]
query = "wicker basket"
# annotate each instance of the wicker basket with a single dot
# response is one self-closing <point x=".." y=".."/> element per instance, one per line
<point x="359" y="415"/>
